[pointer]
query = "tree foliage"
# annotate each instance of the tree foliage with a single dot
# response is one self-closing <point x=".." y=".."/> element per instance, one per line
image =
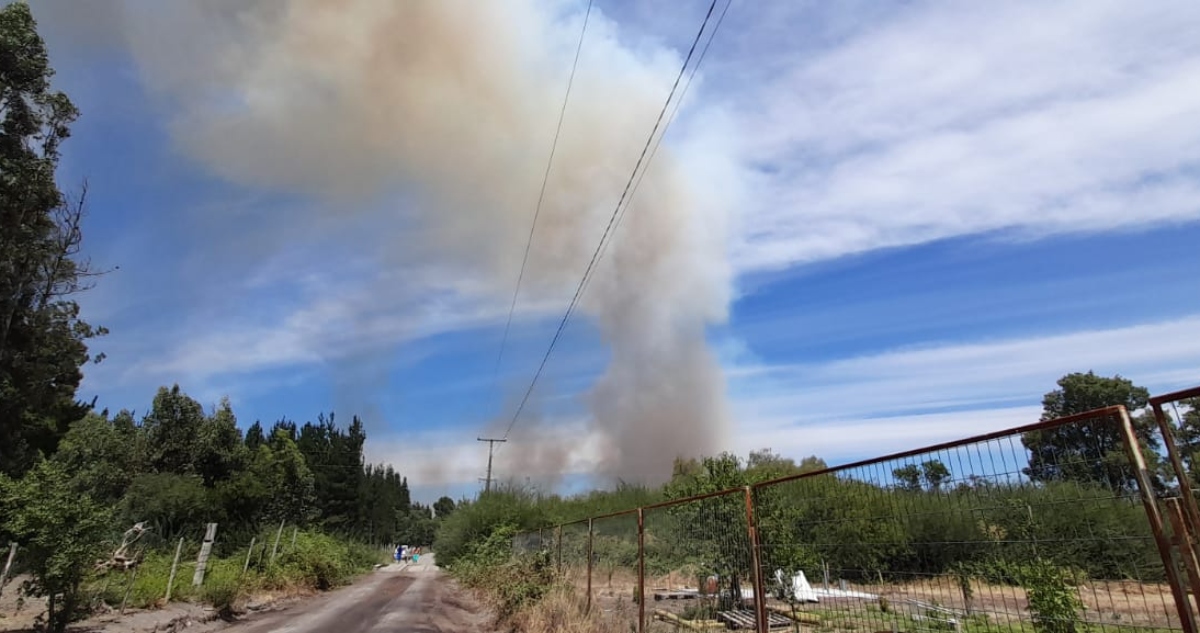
<point x="43" y="340"/>
<point x="61" y="531"/>
<point x="1093" y="450"/>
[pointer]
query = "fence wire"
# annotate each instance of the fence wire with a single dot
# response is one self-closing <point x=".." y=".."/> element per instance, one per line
<point x="614" y="599"/>
<point x="1065" y="526"/>
<point x="699" y="563"/>
<point x="1043" y="530"/>
<point x="1177" y="417"/>
<point x="571" y="555"/>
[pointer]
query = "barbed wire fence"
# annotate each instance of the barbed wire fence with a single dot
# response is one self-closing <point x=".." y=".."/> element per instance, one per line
<point x="1063" y="526"/>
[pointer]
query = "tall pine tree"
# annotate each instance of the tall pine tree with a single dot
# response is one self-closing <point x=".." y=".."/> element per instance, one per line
<point x="42" y="338"/>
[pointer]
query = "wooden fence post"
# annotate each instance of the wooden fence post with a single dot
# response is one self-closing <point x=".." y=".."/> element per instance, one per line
<point x="174" y="568"/>
<point x="275" y="548"/>
<point x="249" y="552"/>
<point x="294" y="531"/>
<point x="210" y="533"/>
<point x="12" y="555"/>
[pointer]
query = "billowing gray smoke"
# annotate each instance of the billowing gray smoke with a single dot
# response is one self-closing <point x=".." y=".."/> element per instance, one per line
<point x="447" y="108"/>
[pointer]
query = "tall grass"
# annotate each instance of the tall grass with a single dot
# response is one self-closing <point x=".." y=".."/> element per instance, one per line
<point x="317" y="562"/>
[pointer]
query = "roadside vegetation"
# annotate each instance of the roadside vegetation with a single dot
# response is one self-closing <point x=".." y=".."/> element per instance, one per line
<point x="1069" y="532"/>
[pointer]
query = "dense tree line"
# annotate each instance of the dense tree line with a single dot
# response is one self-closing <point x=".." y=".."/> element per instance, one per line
<point x="1063" y="499"/>
<point x="179" y="467"/>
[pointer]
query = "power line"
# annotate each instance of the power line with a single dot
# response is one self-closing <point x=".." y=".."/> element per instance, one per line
<point x="537" y="211"/>
<point x="670" y="119"/>
<point x="625" y="194"/>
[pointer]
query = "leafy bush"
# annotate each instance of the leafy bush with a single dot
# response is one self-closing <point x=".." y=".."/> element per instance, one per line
<point x="472" y="524"/>
<point x="60" y="531"/>
<point x="318" y="561"/>
<point x="511" y="582"/>
<point x="1053" y="599"/>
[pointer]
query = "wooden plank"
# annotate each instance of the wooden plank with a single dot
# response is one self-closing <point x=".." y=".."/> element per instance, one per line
<point x="746" y="619"/>
<point x="210" y="534"/>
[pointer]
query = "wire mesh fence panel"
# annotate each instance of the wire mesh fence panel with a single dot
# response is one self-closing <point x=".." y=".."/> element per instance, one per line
<point x="1177" y="420"/>
<point x="571" y="557"/>
<point x="698" y="564"/>
<point x="525" y="543"/>
<point x="1039" y="529"/>
<point x="615" y="570"/>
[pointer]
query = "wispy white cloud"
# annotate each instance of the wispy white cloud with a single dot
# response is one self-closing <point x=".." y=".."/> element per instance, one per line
<point x="951" y="120"/>
<point x="967" y="376"/>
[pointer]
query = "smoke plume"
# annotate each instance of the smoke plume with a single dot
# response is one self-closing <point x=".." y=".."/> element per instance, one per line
<point x="444" y="111"/>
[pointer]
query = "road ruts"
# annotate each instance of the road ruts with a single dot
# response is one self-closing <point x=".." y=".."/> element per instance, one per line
<point x="413" y="599"/>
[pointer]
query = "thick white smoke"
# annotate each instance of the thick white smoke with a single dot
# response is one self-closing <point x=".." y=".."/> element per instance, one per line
<point x="447" y="108"/>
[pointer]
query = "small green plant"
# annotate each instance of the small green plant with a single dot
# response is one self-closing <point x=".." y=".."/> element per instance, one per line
<point x="1053" y="600"/>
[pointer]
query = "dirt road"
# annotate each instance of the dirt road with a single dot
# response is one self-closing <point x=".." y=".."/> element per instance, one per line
<point x="416" y="599"/>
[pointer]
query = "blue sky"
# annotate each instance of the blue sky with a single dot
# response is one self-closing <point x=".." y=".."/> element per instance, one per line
<point x="907" y="220"/>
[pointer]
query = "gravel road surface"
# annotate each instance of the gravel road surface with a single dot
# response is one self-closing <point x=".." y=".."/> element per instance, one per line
<point x="395" y="599"/>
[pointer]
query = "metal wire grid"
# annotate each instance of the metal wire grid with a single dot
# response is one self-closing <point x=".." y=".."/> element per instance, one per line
<point x="1050" y="528"/>
<point x="614" y="598"/>
<point x="979" y="536"/>
<point x="698" y="561"/>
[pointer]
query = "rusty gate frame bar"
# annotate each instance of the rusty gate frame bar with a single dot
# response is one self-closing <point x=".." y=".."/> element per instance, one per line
<point x="1183" y="540"/>
<point x="1133" y="450"/>
<point x="558" y="536"/>
<point x="642" y="571"/>
<point x="1164" y="427"/>
<point x="760" y="594"/>
<point x="588" y="609"/>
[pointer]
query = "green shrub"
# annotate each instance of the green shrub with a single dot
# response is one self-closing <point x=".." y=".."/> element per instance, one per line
<point x="475" y="522"/>
<point x="318" y="561"/>
<point x="1053" y="599"/>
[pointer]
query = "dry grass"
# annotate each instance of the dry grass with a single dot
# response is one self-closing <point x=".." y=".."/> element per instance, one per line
<point x="1116" y="603"/>
<point x="563" y="610"/>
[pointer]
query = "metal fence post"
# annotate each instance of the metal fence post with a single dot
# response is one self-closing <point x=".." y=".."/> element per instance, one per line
<point x="756" y="577"/>
<point x="1133" y="449"/>
<point x="588" y="609"/>
<point x="1183" y="540"/>
<point x="1181" y="474"/>
<point x="641" y="582"/>
<point x="558" y="549"/>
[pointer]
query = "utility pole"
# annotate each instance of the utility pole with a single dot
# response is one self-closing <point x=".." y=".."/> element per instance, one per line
<point x="487" y="483"/>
